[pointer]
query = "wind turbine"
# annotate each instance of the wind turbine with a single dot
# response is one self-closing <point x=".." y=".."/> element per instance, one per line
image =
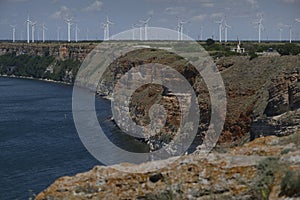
<point x="260" y="28"/>
<point x="69" y="23"/>
<point x="140" y="30"/>
<point x="13" y="32"/>
<point x="76" y="33"/>
<point x="28" y="28"/>
<point x="145" y="23"/>
<point x="180" y="28"/>
<point x="106" y="28"/>
<point x="220" y="28"/>
<point x="104" y="31"/>
<point x="133" y="31"/>
<point x="226" y="27"/>
<point x="44" y="28"/>
<point x="290" y="31"/>
<point x="32" y="31"/>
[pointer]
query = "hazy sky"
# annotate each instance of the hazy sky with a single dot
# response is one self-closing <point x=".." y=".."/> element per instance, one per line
<point x="89" y="14"/>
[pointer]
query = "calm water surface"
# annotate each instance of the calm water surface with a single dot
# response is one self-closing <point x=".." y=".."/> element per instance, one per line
<point x="38" y="139"/>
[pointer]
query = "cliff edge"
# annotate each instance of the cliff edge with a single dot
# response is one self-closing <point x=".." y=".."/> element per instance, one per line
<point x="266" y="168"/>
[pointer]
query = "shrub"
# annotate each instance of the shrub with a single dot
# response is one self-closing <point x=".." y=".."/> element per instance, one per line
<point x="290" y="184"/>
<point x="210" y="42"/>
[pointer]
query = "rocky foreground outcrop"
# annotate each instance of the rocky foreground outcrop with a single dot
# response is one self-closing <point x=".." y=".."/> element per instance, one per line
<point x="266" y="168"/>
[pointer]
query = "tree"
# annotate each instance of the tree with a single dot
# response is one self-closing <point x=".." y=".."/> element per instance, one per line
<point x="210" y="42"/>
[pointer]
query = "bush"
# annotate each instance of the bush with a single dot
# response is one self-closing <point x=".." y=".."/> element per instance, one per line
<point x="252" y="55"/>
<point x="35" y="66"/>
<point x="266" y="169"/>
<point x="210" y="42"/>
<point x="290" y="184"/>
<point x="26" y="65"/>
<point x="288" y="49"/>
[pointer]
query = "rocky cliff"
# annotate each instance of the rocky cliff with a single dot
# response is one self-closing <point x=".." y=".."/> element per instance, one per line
<point x="263" y="102"/>
<point x="51" y="61"/>
<point x="267" y="168"/>
<point x="257" y="88"/>
<point x="253" y="87"/>
<point x="263" y="97"/>
<point x="59" y="50"/>
<point x="281" y="115"/>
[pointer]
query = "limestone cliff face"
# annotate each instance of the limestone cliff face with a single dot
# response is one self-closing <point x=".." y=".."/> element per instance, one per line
<point x="267" y="168"/>
<point x="261" y="86"/>
<point x="253" y="87"/>
<point x="283" y="94"/>
<point x="58" y="50"/>
<point x="282" y="116"/>
<point x="148" y="95"/>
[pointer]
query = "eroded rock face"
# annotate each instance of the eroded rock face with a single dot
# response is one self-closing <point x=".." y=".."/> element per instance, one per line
<point x="283" y="109"/>
<point x="71" y="51"/>
<point x="257" y="170"/>
<point x="294" y="95"/>
<point x="284" y="94"/>
<point x="282" y="125"/>
<point x="148" y="95"/>
<point x="254" y="88"/>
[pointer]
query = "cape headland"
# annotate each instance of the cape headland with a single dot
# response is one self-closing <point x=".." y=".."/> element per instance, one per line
<point x="257" y="155"/>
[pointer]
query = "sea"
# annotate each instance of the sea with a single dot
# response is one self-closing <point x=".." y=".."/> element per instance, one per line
<point x="38" y="139"/>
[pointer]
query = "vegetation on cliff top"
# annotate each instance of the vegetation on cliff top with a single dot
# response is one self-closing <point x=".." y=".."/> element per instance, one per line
<point x="45" y="67"/>
<point x="218" y="50"/>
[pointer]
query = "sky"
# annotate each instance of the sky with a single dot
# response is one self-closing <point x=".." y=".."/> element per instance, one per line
<point x="201" y="15"/>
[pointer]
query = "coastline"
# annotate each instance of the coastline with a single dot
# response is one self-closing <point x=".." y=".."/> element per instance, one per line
<point x="38" y="79"/>
<point x="51" y="81"/>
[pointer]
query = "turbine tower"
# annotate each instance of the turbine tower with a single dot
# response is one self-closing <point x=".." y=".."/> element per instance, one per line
<point x="76" y="33"/>
<point x="28" y="27"/>
<point x="32" y="31"/>
<point x="180" y="28"/>
<point x="260" y="28"/>
<point x="133" y="31"/>
<point x="145" y="23"/>
<point x="69" y="23"/>
<point x="106" y="28"/>
<point x="13" y="32"/>
<point x="226" y="27"/>
<point x="220" y="28"/>
<point x="140" y="26"/>
<point x="290" y="32"/>
<point x="44" y="28"/>
<point x="104" y="32"/>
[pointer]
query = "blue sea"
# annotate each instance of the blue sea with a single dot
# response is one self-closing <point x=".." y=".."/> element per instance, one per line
<point x="38" y="138"/>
